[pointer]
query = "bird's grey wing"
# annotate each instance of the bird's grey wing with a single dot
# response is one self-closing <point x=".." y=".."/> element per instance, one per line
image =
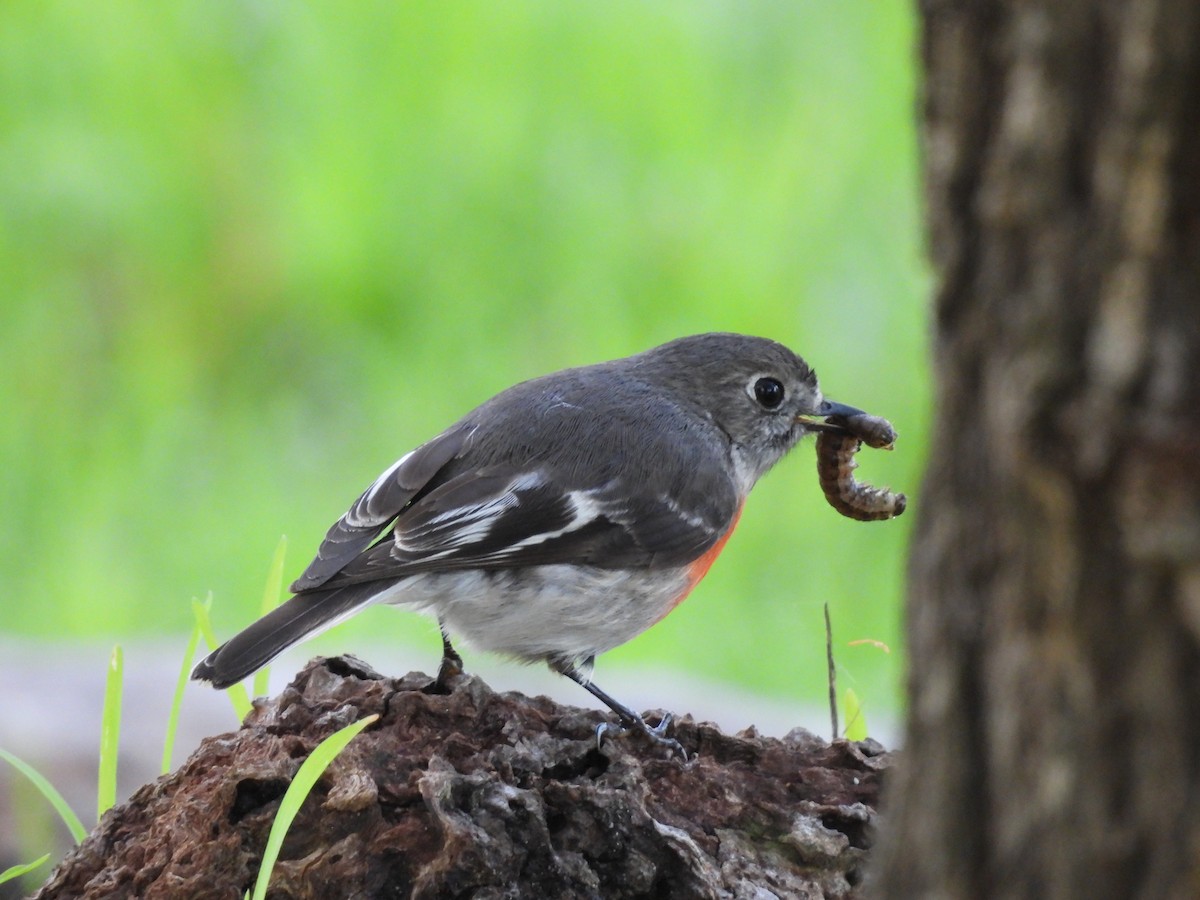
<point x="505" y="519"/>
<point x="369" y="516"/>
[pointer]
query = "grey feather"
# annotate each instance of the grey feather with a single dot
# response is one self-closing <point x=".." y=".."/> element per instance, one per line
<point x="369" y="515"/>
<point x="289" y="623"/>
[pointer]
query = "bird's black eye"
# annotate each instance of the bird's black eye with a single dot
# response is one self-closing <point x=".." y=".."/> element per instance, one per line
<point x="768" y="392"/>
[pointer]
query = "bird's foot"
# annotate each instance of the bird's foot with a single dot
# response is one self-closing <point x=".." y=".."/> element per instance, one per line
<point x="657" y="734"/>
<point x="452" y="664"/>
<point x="451" y="668"/>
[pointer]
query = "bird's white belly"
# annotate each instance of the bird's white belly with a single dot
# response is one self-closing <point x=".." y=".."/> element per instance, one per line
<point x="543" y="612"/>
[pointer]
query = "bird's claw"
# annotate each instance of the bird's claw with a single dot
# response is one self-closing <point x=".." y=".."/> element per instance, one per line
<point x="450" y="669"/>
<point x="657" y="734"/>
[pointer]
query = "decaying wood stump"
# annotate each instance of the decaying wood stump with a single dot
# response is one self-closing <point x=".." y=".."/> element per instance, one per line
<point x="485" y="795"/>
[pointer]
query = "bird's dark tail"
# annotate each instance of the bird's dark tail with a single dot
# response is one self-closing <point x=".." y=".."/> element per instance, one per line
<point x="303" y="616"/>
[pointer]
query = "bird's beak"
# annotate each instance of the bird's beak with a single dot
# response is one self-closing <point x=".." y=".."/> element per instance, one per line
<point x="829" y="408"/>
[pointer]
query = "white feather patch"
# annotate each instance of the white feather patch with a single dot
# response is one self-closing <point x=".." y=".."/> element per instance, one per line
<point x="471" y="524"/>
<point x="352" y="518"/>
<point x="584" y="509"/>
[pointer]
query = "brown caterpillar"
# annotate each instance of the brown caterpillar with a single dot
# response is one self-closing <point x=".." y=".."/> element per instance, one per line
<point x="836" y="465"/>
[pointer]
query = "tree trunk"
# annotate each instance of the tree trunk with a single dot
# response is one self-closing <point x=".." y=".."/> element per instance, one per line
<point x="1053" y="746"/>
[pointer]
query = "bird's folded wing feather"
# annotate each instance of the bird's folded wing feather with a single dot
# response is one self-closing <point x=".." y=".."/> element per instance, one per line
<point x="504" y="519"/>
<point x="368" y="518"/>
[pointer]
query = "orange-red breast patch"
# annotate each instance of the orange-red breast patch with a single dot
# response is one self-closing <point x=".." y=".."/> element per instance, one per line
<point x="699" y="568"/>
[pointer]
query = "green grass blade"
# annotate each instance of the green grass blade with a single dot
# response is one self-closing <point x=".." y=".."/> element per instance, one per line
<point x="270" y="600"/>
<point x="189" y="655"/>
<point x="856" y="722"/>
<point x="18" y="871"/>
<point x="237" y="694"/>
<point x="310" y="770"/>
<point x="53" y="796"/>
<point x="110" y="733"/>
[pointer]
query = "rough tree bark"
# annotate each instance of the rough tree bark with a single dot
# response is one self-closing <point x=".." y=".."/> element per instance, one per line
<point x="488" y="796"/>
<point x="1053" y="747"/>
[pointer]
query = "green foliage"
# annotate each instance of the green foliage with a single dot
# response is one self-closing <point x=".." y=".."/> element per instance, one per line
<point x="306" y="776"/>
<point x="47" y="790"/>
<point x="254" y="252"/>
<point x="110" y="733"/>
<point x="17" y="871"/>
<point x="237" y="693"/>
<point x="856" y="722"/>
<point x="185" y="671"/>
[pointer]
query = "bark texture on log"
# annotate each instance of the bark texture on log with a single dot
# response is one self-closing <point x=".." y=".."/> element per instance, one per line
<point x="1053" y="747"/>
<point x="485" y="795"/>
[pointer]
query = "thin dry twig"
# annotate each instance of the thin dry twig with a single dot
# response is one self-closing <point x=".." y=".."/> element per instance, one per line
<point x="833" y="711"/>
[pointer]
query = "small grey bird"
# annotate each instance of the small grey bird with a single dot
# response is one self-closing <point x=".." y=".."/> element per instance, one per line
<point x="562" y="517"/>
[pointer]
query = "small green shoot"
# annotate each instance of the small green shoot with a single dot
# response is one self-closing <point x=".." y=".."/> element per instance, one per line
<point x="110" y="733"/>
<point x="237" y="694"/>
<point x="18" y="871"/>
<point x="47" y="790"/>
<point x="185" y="670"/>
<point x="269" y="602"/>
<point x="856" y="722"/>
<point x="307" y="775"/>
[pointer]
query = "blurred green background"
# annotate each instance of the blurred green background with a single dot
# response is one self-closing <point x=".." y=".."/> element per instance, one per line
<point x="251" y="252"/>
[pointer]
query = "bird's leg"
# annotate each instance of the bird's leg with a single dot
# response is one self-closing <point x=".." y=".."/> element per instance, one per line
<point x="452" y="664"/>
<point x="629" y="719"/>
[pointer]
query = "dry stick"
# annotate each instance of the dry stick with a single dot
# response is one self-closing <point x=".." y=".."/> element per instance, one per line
<point x="833" y="713"/>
